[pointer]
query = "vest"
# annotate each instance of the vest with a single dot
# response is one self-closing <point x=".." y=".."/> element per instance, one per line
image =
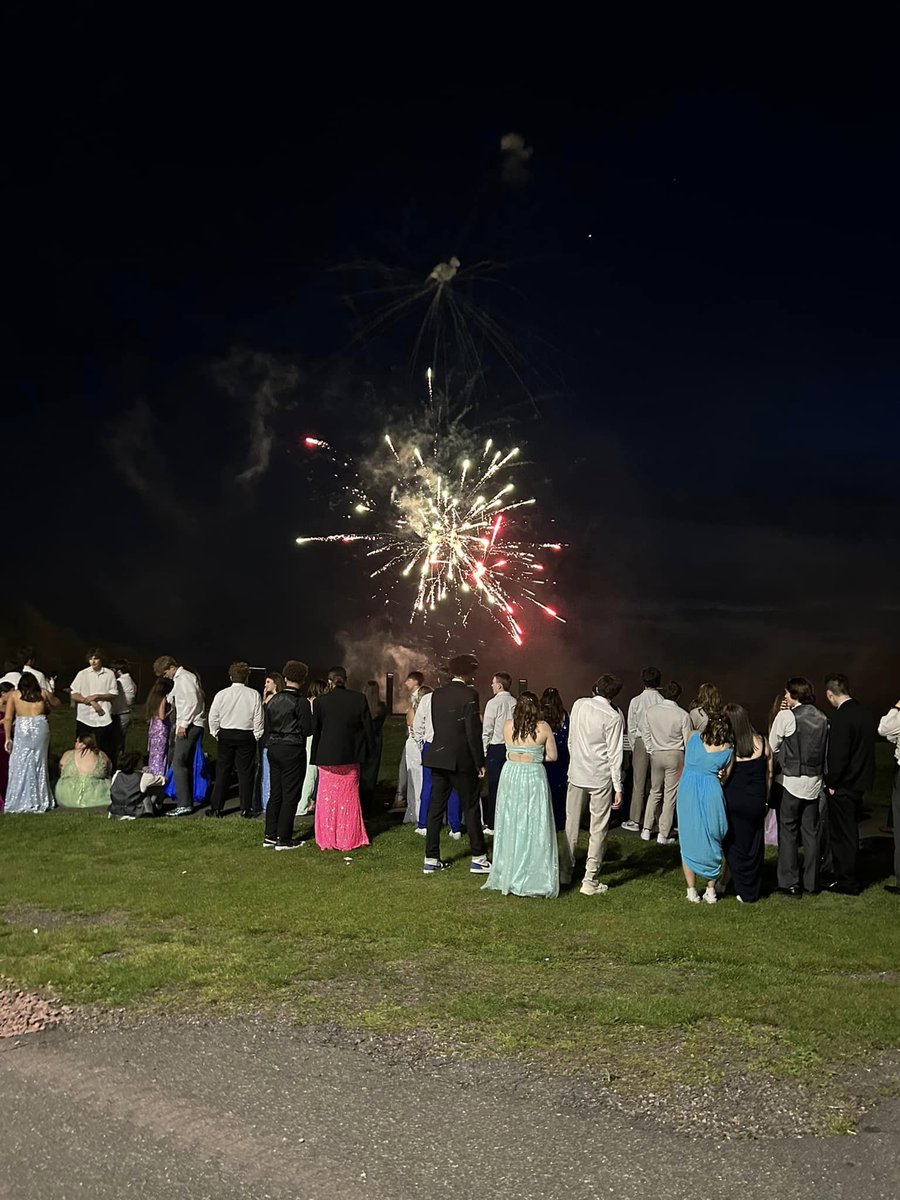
<point x="803" y="753"/>
<point x="126" y="798"/>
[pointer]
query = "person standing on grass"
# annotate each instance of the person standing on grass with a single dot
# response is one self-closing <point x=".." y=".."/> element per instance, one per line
<point x="889" y="727"/>
<point x="640" y="748"/>
<point x="596" y="748"/>
<point x="188" y="703"/>
<point x="27" y="787"/>
<point x="849" y="772"/>
<point x="94" y="690"/>
<point x="525" y="856"/>
<point x="288" y="723"/>
<point x="370" y="767"/>
<point x="423" y="734"/>
<point x="159" y="727"/>
<point x="705" y="702"/>
<point x="317" y="688"/>
<point x="126" y="690"/>
<point x="412" y="753"/>
<point x="497" y="712"/>
<point x="343" y="737"/>
<point x="6" y="690"/>
<point x="456" y="761"/>
<point x="798" y="738"/>
<point x="668" y="728"/>
<point x="702" y="825"/>
<point x="403" y="797"/>
<point x="236" y="722"/>
<point x="554" y="713"/>
<point x="746" y="804"/>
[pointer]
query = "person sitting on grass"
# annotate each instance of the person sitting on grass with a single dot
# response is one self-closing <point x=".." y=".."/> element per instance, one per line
<point x="134" y="791"/>
<point x="83" y="775"/>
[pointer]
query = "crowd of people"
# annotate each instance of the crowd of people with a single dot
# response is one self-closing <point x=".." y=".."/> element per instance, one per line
<point x="523" y="774"/>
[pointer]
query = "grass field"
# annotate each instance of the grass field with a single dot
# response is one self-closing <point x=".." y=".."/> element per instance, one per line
<point x="639" y="985"/>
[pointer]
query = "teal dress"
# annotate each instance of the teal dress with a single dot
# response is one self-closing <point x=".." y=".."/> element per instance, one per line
<point x="525" y="859"/>
<point x="702" y="824"/>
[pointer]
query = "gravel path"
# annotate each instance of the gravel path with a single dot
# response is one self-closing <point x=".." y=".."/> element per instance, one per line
<point x="252" y="1109"/>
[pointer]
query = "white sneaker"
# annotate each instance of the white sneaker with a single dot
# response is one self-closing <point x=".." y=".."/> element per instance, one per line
<point x="421" y="831"/>
<point x="631" y="826"/>
<point x="710" y="897"/>
<point x="487" y="832"/>
<point x="693" y="896"/>
<point x="669" y="841"/>
<point x="455" y="836"/>
<point x="593" y="889"/>
<point x="645" y="834"/>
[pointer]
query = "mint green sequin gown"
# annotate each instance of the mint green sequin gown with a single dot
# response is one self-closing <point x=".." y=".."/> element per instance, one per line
<point x="525" y="861"/>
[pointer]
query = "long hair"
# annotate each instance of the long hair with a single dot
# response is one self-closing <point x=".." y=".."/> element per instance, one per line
<point x="372" y="693"/>
<point x="29" y="688"/>
<point x="318" y="687"/>
<point x="158" y="693"/>
<point x="777" y="705"/>
<point x="718" y="732"/>
<point x="744" y="733"/>
<point x="708" y="699"/>
<point x="277" y="678"/>
<point x="552" y="709"/>
<point x="526" y="715"/>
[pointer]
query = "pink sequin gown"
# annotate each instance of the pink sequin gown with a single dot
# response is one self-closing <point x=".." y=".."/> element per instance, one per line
<point x="339" y="820"/>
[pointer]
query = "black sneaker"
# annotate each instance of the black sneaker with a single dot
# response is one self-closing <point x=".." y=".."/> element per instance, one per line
<point x="287" y="845"/>
<point x="269" y="843"/>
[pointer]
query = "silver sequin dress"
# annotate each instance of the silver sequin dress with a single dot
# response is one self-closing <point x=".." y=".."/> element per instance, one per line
<point x="28" y="790"/>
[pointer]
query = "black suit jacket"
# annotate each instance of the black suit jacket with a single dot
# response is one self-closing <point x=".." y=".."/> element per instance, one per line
<point x="850" y="766"/>
<point x="342" y="729"/>
<point x="457" y="744"/>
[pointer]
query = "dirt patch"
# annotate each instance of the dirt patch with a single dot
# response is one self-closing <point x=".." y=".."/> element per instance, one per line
<point x="43" y="918"/>
<point x="24" y="1012"/>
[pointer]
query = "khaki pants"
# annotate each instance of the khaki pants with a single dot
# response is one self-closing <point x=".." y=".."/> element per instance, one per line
<point x="600" y="800"/>
<point x="640" y="770"/>
<point x="665" y="771"/>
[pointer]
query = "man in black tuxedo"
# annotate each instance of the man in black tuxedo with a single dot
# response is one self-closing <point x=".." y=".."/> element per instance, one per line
<point x="456" y="760"/>
<point x="342" y="725"/>
<point x="849" y="771"/>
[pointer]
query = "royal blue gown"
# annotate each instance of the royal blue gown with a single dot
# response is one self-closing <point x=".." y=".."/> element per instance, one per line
<point x="702" y="824"/>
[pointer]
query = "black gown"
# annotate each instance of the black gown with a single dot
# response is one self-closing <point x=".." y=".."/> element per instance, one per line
<point x="745" y="808"/>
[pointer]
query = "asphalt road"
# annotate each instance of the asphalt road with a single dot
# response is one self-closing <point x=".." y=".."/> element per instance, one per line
<point x="254" y="1110"/>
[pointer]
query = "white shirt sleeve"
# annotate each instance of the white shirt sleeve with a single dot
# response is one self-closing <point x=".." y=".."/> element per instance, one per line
<point x="214" y="720"/>
<point x="258" y="721"/>
<point x="129" y="689"/>
<point x="492" y="710"/>
<point x="782" y="727"/>
<point x="687" y="728"/>
<point x="421" y="721"/>
<point x="889" y="725"/>
<point x="615" y="736"/>
<point x="186" y="700"/>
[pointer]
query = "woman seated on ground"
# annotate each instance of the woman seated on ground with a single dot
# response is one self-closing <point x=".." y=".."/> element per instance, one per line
<point x="83" y="776"/>
<point x="701" y="805"/>
<point x="746" y="804"/>
<point x="134" y="792"/>
<point x="525" y="858"/>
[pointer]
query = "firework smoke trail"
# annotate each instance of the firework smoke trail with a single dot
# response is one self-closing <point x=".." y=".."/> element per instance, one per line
<point x="446" y="525"/>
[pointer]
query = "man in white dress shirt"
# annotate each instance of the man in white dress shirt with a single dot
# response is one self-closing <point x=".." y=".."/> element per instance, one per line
<point x="236" y="722"/>
<point x="640" y="748"/>
<point x="497" y="711"/>
<point x="423" y="735"/>
<point x="668" y="728"/>
<point x="93" y="691"/>
<point x="186" y="699"/>
<point x="596" y="747"/>
<point x="799" y="740"/>
<point x="24" y="661"/>
<point x="889" y="727"/>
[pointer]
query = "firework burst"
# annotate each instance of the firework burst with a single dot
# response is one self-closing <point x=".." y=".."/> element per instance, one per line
<point x="449" y="532"/>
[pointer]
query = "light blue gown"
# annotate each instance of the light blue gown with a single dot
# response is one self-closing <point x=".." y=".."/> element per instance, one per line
<point x="702" y="823"/>
<point x="525" y="858"/>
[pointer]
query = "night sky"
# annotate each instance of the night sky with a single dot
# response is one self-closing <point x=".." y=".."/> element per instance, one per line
<point x="699" y="277"/>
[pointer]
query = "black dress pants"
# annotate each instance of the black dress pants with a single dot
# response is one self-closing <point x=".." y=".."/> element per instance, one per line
<point x="843" y="832"/>
<point x="468" y="788"/>
<point x="237" y="750"/>
<point x="287" y="769"/>
<point x="495" y="758"/>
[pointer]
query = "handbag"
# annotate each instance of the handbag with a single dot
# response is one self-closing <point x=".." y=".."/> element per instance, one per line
<point x="770" y="833"/>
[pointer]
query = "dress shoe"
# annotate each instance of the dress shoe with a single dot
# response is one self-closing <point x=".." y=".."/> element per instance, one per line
<point x="843" y="889"/>
<point x="794" y="892"/>
<point x="893" y="888"/>
<point x="214" y="812"/>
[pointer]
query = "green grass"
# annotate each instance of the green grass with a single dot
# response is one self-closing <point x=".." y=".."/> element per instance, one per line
<point x="168" y="916"/>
